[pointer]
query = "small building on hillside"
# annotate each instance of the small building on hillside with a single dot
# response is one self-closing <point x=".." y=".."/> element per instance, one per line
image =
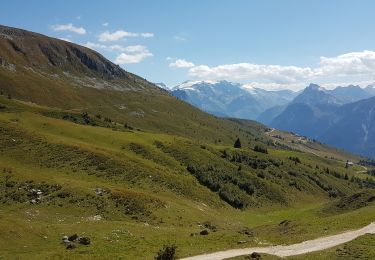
<point x="348" y="164"/>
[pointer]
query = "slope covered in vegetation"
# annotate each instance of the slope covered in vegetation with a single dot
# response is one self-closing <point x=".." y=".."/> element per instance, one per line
<point x="134" y="169"/>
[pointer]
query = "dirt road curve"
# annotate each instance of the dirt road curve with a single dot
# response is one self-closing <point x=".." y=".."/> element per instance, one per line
<point x="296" y="249"/>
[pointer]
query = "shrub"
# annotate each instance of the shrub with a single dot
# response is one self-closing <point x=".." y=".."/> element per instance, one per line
<point x="167" y="253"/>
<point x="295" y="159"/>
<point x="260" y="149"/>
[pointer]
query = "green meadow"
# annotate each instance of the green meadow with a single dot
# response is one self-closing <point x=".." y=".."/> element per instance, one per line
<point x="132" y="190"/>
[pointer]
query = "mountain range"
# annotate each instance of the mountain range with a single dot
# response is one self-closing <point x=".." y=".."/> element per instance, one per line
<point x="223" y="98"/>
<point x="314" y="112"/>
<point x="97" y="162"/>
<point x="343" y="117"/>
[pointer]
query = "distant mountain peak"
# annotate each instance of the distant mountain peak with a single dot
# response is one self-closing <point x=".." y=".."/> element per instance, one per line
<point x="315" y="87"/>
<point x="226" y="98"/>
<point x="314" y="95"/>
<point x="189" y="84"/>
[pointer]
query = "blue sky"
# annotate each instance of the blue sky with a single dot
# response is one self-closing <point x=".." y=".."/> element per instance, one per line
<point x="270" y="44"/>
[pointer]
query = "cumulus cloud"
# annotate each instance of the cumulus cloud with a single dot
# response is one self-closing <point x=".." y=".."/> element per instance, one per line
<point x="95" y="46"/>
<point x="181" y="63"/>
<point x="128" y="54"/>
<point x="116" y="47"/>
<point x="133" y="54"/>
<point x="248" y="71"/>
<point x="120" y="34"/>
<point x="349" y="63"/>
<point x="349" y="68"/>
<point x="135" y="48"/>
<point x="68" y="27"/>
<point x="126" y="58"/>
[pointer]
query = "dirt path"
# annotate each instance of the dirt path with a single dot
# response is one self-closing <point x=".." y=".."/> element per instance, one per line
<point x="364" y="171"/>
<point x="290" y="250"/>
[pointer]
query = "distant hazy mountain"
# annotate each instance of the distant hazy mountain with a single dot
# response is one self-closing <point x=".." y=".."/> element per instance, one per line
<point x="370" y="89"/>
<point x="352" y="93"/>
<point x="316" y="95"/>
<point x="230" y="99"/>
<point x="327" y="115"/>
<point x="267" y="116"/>
<point x="352" y="128"/>
<point x="309" y="113"/>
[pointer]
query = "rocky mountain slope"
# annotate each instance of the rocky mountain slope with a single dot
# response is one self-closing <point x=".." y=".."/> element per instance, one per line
<point x="56" y="73"/>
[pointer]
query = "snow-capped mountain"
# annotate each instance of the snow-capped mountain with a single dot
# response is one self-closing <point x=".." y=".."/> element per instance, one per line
<point x="224" y="98"/>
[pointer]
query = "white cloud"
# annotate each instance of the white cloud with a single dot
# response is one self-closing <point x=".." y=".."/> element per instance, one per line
<point x="124" y="58"/>
<point x="247" y="71"/>
<point x="349" y="68"/>
<point x="147" y="35"/>
<point x="120" y="34"/>
<point x="116" y="47"/>
<point x="133" y="54"/>
<point x="179" y="38"/>
<point x="68" y="27"/>
<point x="65" y="39"/>
<point x="128" y="54"/>
<point x="349" y="63"/>
<point x="181" y="63"/>
<point x="136" y="48"/>
<point x="95" y="46"/>
<point x="105" y="24"/>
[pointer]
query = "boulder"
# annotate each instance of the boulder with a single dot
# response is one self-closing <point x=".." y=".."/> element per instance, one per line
<point x="84" y="240"/>
<point x="204" y="232"/>
<point x="73" y="237"/>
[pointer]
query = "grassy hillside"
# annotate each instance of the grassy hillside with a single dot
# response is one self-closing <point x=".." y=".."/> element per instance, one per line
<point x="155" y="189"/>
<point x="88" y="148"/>
<point x="55" y="73"/>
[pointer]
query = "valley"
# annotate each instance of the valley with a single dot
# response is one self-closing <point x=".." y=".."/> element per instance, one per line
<point x="90" y="149"/>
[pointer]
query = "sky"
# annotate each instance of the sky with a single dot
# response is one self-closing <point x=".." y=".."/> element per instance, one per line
<point x="271" y="44"/>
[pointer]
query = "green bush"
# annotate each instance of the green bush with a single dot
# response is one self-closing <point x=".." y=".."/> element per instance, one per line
<point x="167" y="253"/>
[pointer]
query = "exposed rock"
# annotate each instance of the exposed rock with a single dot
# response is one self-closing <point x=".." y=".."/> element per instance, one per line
<point x="95" y="218"/>
<point x="84" y="240"/>
<point x="204" y="232"/>
<point x="255" y="255"/>
<point x="73" y="237"/>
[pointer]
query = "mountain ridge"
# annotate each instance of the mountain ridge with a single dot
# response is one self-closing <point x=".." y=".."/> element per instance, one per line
<point x="337" y="121"/>
<point x="229" y="98"/>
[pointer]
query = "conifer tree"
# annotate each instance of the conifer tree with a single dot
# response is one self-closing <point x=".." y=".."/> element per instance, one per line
<point x="237" y="143"/>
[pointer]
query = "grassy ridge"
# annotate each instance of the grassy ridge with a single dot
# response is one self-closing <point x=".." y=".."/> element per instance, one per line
<point x="88" y="148"/>
<point x="150" y="195"/>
